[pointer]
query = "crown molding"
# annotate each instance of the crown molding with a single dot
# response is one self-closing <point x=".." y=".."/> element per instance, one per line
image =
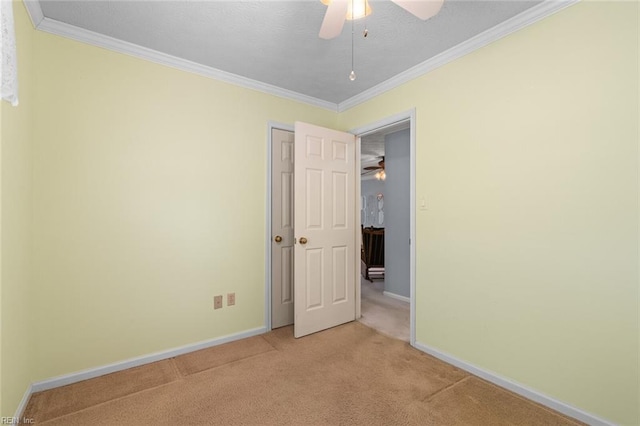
<point x="522" y="20"/>
<point x="503" y="29"/>
<point x="53" y="26"/>
<point x="34" y="11"/>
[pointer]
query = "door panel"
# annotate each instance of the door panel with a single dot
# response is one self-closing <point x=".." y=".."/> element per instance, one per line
<point x="324" y="216"/>
<point x="282" y="192"/>
<point x="340" y="202"/>
<point x="314" y="198"/>
<point x="286" y="283"/>
<point x="314" y="289"/>
<point x="340" y="271"/>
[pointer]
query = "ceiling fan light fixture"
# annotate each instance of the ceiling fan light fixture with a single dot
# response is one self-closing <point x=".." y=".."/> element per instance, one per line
<point x="381" y="175"/>
<point x="357" y="9"/>
<point x="340" y="10"/>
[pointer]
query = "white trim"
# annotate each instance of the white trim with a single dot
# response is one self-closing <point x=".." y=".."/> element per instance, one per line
<point x="135" y="362"/>
<point x="384" y="123"/>
<point x="503" y="29"/>
<point x="34" y="10"/>
<point x="267" y="236"/>
<point x="372" y="128"/>
<point x="357" y="280"/>
<point x="271" y="125"/>
<point x="515" y="387"/>
<point x="397" y="296"/>
<point x="522" y="20"/>
<point x="23" y="403"/>
<point x="76" y="33"/>
<point x="412" y="226"/>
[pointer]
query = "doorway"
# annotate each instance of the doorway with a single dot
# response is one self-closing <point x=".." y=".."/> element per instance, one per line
<point x="385" y="282"/>
<point x="386" y="124"/>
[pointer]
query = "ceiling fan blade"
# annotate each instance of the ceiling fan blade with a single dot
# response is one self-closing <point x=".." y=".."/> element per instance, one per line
<point x="423" y="9"/>
<point x="334" y="19"/>
<point x="372" y="168"/>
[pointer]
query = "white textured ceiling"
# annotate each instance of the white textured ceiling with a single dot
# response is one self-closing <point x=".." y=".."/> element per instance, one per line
<point x="276" y="42"/>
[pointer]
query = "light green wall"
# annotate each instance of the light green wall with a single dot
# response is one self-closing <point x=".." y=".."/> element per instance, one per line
<point x="16" y="160"/>
<point x="527" y="254"/>
<point x="149" y="199"/>
<point x="2" y="410"/>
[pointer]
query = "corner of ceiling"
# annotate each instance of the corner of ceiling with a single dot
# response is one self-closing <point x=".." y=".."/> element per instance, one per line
<point x="34" y="10"/>
<point x="524" y="19"/>
<point x="503" y="29"/>
<point x="52" y="26"/>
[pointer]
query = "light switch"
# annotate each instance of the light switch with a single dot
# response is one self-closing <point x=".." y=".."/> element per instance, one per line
<point x="423" y="204"/>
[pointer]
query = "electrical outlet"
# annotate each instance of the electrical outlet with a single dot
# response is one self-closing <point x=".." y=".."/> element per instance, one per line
<point x="231" y="299"/>
<point x="217" y="302"/>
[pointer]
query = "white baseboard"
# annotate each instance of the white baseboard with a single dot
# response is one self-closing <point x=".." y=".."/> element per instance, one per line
<point x="135" y="362"/>
<point x="396" y="296"/>
<point x="23" y="405"/>
<point x="522" y="390"/>
<point x="158" y="356"/>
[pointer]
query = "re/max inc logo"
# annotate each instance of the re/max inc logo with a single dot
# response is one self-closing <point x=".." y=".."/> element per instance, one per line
<point x="16" y="421"/>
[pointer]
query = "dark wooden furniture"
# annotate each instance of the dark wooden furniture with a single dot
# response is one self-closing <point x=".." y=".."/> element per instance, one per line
<point x="373" y="253"/>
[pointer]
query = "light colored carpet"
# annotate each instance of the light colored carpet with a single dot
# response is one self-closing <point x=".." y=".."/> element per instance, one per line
<point x="197" y="361"/>
<point x="348" y="375"/>
<point x="78" y="396"/>
<point x="388" y="316"/>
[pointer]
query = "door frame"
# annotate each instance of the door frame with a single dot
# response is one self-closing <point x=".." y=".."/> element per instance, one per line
<point x="374" y="127"/>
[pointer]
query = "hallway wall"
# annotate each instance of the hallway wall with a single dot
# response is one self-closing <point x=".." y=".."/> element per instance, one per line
<point x="396" y="202"/>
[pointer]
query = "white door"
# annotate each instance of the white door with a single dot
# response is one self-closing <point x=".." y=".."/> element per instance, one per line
<point x="282" y="228"/>
<point x="324" y="212"/>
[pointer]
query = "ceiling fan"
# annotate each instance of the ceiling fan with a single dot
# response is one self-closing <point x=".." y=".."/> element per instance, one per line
<point x="339" y="10"/>
<point x="379" y="169"/>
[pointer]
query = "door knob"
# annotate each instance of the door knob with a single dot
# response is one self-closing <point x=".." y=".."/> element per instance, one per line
<point x="303" y="240"/>
<point x="278" y="239"/>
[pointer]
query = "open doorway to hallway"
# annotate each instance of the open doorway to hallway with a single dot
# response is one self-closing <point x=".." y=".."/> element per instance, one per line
<point x="405" y="121"/>
<point x="385" y="219"/>
<point x="383" y="313"/>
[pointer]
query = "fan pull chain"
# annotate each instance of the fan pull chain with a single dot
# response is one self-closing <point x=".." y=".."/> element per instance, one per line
<point x="365" y="33"/>
<point x="352" y="74"/>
